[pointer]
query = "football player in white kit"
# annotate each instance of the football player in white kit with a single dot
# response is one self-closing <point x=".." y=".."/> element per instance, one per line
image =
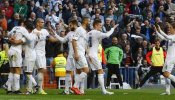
<point x="95" y="36"/>
<point x="15" y="59"/>
<point x="40" y="51"/>
<point x="70" y="66"/>
<point x="30" y="57"/>
<point x="170" y="58"/>
<point x="79" y="43"/>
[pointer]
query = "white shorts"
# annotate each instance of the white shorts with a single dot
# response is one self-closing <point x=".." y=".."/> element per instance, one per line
<point x="15" y="58"/>
<point x="81" y="63"/>
<point x="41" y="61"/>
<point x="70" y="65"/>
<point x="168" y="65"/>
<point x="29" y="65"/>
<point x="94" y="64"/>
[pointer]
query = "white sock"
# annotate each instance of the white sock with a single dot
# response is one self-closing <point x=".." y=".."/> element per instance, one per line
<point x="76" y="79"/>
<point x="32" y="80"/>
<point x="67" y="82"/>
<point x="101" y="81"/>
<point x="13" y="84"/>
<point x="172" y="77"/>
<point x="29" y="84"/>
<point x="10" y="76"/>
<point x="81" y="80"/>
<point x="82" y="76"/>
<point x="9" y="81"/>
<point x="167" y="85"/>
<point x="16" y="82"/>
<point x="40" y="81"/>
<point x="82" y="86"/>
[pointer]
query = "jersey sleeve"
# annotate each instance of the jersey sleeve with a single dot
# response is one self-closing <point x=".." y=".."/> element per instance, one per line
<point x="46" y="32"/>
<point x="105" y="35"/>
<point x="168" y="37"/>
<point x="23" y="40"/>
<point x="11" y="32"/>
<point x="160" y="36"/>
<point x="26" y="34"/>
<point x="173" y="38"/>
<point x="77" y="34"/>
<point x="62" y="39"/>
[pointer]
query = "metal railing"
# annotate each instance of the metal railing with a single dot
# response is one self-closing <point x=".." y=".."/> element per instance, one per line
<point x="129" y="75"/>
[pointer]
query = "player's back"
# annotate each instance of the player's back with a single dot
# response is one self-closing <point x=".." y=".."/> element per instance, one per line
<point x="81" y="36"/>
<point x="17" y="32"/>
<point x="93" y="40"/>
<point x="29" y="47"/>
<point x="171" y="48"/>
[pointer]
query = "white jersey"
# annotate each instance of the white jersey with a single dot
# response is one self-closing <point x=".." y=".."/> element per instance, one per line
<point x="67" y="38"/>
<point x="40" y="46"/>
<point x="94" y="39"/>
<point x="29" y="47"/>
<point x="171" y="47"/>
<point x="18" y="31"/>
<point x="81" y="38"/>
<point x="171" y="43"/>
<point x="170" y="58"/>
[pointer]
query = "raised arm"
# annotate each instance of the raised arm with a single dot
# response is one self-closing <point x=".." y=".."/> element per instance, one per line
<point x="157" y="32"/>
<point x="165" y="35"/>
<point x="160" y="36"/>
<point x="168" y="37"/>
<point x="61" y="39"/>
<point x="105" y="35"/>
<point x="52" y="38"/>
<point x="50" y="35"/>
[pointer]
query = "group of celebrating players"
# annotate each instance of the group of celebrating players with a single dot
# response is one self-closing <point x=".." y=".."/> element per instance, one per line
<point x="83" y="49"/>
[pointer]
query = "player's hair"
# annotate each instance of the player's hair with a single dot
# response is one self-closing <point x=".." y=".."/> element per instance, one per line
<point x="173" y="25"/>
<point x="29" y="25"/>
<point x="84" y="19"/>
<point x="74" y="22"/>
<point x="38" y="19"/>
<point x="21" y="21"/>
<point x="97" y="21"/>
<point x="114" y="37"/>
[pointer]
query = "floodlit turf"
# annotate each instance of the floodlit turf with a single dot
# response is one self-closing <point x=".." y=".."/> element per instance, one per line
<point x="95" y="94"/>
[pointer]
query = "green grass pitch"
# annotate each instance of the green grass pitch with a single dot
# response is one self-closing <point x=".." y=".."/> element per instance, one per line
<point x="95" y="94"/>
